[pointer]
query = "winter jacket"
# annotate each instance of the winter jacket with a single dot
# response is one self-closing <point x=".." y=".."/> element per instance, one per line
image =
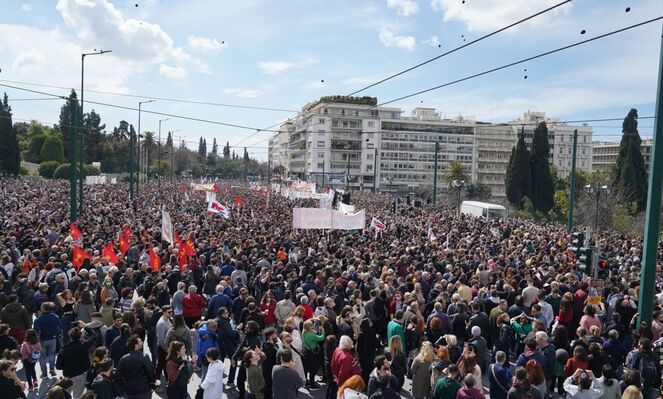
<point x="73" y="359"/>
<point x="228" y="336"/>
<point x="446" y="388"/>
<point x="373" y="385"/>
<point x="192" y="306"/>
<point x="9" y="388"/>
<point x="17" y="316"/>
<point x="105" y="388"/>
<point x="135" y="373"/>
<point x="207" y="339"/>
<point x="343" y="365"/>
<point x="181" y="334"/>
<point x="523" y="391"/>
<point x="469" y="393"/>
<point x="48" y="326"/>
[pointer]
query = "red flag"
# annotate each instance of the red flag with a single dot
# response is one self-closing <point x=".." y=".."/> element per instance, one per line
<point x="155" y="261"/>
<point x="239" y="201"/>
<point x="126" y="231"/>
<point x="124" y="244"/>
<point x="79" y="257"/>
<point x="109" y="252"/>
<point x="75" y="232"/>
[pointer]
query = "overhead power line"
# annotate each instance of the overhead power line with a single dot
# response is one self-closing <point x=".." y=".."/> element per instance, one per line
<point x="156" y="97"/>
<point x="460" y="47"/>
<point x="136" y="109"/>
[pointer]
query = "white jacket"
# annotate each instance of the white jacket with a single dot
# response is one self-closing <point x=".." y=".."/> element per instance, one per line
<point x="213" y="382"/>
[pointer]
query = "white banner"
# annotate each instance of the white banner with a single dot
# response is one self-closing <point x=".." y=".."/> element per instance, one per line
<point x="210" y="196"/>
<point x="346" y="209"/>
<point x="166" y="227"/>
<point x="204" y="187"/>
<point x="315" y="218"/>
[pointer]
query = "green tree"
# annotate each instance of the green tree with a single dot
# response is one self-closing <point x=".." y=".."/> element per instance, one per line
<point x="64" y="171"/>
<point x="149" y="146"/>
<point x="541" y="192"/>
<point x="10" y="154"/>
<point x="91" y="170"/>
<point x="52" y="148"/>
<point x="630" y="178"/>
<point x="165" y="167"/>
<point x="478" y="191"/>
<point x="518" y="173"/>
<point x="226" y="151"/>
<point x="65" y="125"/>
<point x="455" y="170"/>
<point x="215" y="149"/>
<point x="46" y="169"/>
<point x="93" y="132"/>
<point x="169" y="141"/>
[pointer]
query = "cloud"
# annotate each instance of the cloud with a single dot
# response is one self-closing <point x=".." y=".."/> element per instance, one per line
<point x="172" y="72"/>
<point x="205" y="43"/>
<point x="389" y="39"/>
<point x="274" y="67"/>
<point x="433" y="41"/>
<point x="29" y="60"/>
<point x="403" y="7"/>
<point x="490" y="15"/>
<point x="243" y="93"/>
<point x="98" y="23"/>
<point x="26" y="7"/>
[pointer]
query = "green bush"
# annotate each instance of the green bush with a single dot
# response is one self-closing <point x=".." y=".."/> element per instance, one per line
<point x="23" y="171"/>
<point x="63" y="171"/>
<point x="91" y="170"/>
<point x="48" y="168"/>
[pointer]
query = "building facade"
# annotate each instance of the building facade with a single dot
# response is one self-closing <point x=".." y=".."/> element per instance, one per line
<point x="605" y="154"/>
<point x="351" y="141"/>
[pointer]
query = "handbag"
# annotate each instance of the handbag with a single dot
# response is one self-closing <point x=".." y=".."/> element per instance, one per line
<point x="35" y="355"/>
<point x="199" y="393"/>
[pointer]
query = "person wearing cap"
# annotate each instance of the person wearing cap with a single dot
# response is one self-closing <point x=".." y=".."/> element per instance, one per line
<point x="480" y="347"/>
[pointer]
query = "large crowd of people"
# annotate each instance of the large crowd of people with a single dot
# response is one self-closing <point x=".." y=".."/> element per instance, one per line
<point x="248" y="307"/>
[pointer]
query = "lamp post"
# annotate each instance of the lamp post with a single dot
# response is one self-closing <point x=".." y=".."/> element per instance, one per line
<point x="597" y="192"/>
<point x="140" y="103"/>
<point x="437" y="150"/>
<point x="172" y="151"/>
<point x="159" y="156"/>
<point x="459" y="186"/>
<point x="81" y="116"/>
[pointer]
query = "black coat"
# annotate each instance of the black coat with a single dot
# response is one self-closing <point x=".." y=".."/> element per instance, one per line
<point x="105" y="388"/>
<point x="73" y="359"/>
<point x="229" y="337"/>
<point x="135" y="373"/>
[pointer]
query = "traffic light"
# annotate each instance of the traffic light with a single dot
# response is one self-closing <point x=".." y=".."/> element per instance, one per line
<point x="585" y="257"/>
<point x="604" y="269"/>
<point x="578" y="241"/>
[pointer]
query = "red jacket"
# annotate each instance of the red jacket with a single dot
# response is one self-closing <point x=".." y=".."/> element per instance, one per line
<point x="343" y="365"/>
<point x="269" y="308"/>
<point x="193" y="305"/>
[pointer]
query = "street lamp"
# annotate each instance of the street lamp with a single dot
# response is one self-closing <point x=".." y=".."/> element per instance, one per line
<point x="81" y="116"/>
<point x="140" y="103"/>
<point x="597" y="192"/>
<point x="159" y="156"/>
<point x="458" y="184"/>
<point x="172" y="151"/>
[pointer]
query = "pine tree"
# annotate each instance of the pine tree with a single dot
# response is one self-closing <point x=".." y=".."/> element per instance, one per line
<point x="215" y="149"/>
<point x="518" y="173"/>
<point x="169" y="141"/>
<point x="630" y="176"/>
<point x="226" y="150"/>
<point x="204" y="153"/>
<point x="10" y="158"/>
<point x="66" y="124"/>
<point x="542" y="191"/>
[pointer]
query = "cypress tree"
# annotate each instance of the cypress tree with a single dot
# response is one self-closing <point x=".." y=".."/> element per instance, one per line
<point x="630" y="176"/>
<point x="65" y="121"/>
<point x="10" y="158"/>
<point x="542" y="191"/>
<point x="215" y="148"/>
<point x="518" y="173"/>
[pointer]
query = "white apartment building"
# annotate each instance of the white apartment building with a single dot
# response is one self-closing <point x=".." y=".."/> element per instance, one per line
<point x="605" y="154"/>
<point x="340" y="137"/>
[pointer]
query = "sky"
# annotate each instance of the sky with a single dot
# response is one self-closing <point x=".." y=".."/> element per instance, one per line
<point x="284" y="54"/>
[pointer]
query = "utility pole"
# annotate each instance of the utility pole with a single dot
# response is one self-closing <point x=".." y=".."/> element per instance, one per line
<point x="72" y="187"/>
<point x="437" y="149"/>
<point x="375" y="170"/>
<point x="82" y="115"/>
<point x="572" y="184"/>
<point x="138" y="136"/>
<point x="653" y="211"/>
<point x="269" y="172"/>
<point x="347" y="177"/>
<point x="159" y="151"/>
<point x="131" y="164"/>
<point x="323" y="172"/>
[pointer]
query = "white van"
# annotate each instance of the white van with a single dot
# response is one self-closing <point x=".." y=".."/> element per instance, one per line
<point x="484" y="209"/>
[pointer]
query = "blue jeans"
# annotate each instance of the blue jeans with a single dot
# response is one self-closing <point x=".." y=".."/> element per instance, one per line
<point x="48" y="354"/>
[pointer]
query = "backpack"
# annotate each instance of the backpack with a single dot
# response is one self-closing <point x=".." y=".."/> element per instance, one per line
<point x="648" y="370"/>
<point x="185" y="375"/>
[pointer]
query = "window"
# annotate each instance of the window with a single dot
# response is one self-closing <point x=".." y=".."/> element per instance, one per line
<point x="321" y="155"/>
<point x="370" y="145"/>
<point x="369" y="167"/>
<point x="321" y="165"/>
<point x="369" y="156"/>
<point x="321" y="143"/>
<point x="371" y="123"/>
<point x="321" y="121"/>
